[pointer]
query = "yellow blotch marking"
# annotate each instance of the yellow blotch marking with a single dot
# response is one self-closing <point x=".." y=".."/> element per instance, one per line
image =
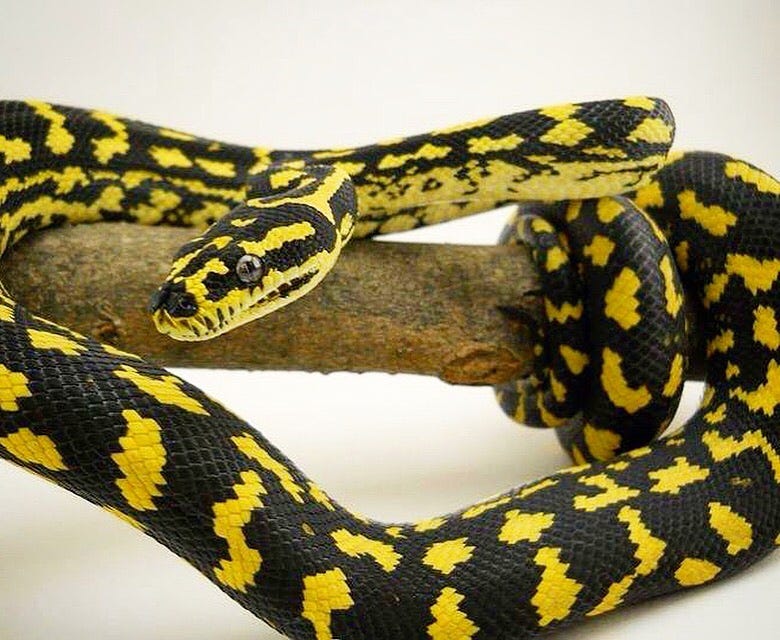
<point x="556" y="257"/>
<point x="165" y="389"/>
<point x="486" y="144"/>
<point x="277" y="237"/>
<point x="611" y="493"/>
<point x="716" y="415"/>
<point x="429" y="525"/>
<point x="28" y="447"/>
<point x="616" y="387"/>
<point x="681" y="254"/>
<point x="324" y="593"/>
<point x="652" y="130"/>
<point x="732" y="527"/>
<point x="175" y="135"/>
<point x="450" y="623"/>
<point x="548" y="418"/>
<point x="599" y="250"/>
<point x="641" y="102"/>
<point x="560" y="111"/>
<point x="758" y="275"/>
<point x="58" y="139"/>
<point x="221" y="168"/>
<point x="601" y="443"/>
<point x="13" y="385"/>
<point x="714" y="219"/>
<point x="526" y="527"/>
<point x="765" y="327"/>
<point x="107" y="148"/>
<point x="620" y="465"/>
<point x="318" y="495"/>
<point x="766" y="396"/>
<point x="564" y="312"/>
<point x="160" y="202"/>
<point x="575" y="360"/>
<point x="262" y="160"/>
<point x="395" y="531"/>
<point x="557" y="387"/>
<point x="356" y="544"/>
<point x="47" y="340"/>
<point x="694" y="571"/>
<point x="567" y="133"/>
<point x="536" y="486"/>
<point x="245" y="222"/>
<point x="307" y="529"/>
<point x="762" y="181"/>
<point x="620" y="302"/>
<point x="141" y="461"/>
<point x="715" y="288"/>
<point x="15" y="149"/>
<point x="722" y="448"/>
<point x="671" y="292"/>
<point x="610" y="152"/>
<point x="251" y="449"/>
<point x="573" y="210"/>
<point x="721" y="343"/>
<point x="608" y="209"/>
<point x="675" y="376"/>
<point x="479" y="509"/>
<point x="169" y="157"/>
<point x="118" y="352"/>
<point x="541" y="225"/>
<point x="239" y="570"/>
<point x="125" y="518"/>
<point x="284" y="176"/>
<point x="680" y="474"/>
<point x="708" y="395"/>
<point x="427" y="151"/>
<point x="352" y="168"/>
<point x="649" y="551"/>
<point x="445" y="556"/>
<point x="556" y="593"/>
<point x="732" y="370"/>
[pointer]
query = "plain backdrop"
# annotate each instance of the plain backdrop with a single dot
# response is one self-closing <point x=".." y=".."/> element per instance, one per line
<point x="340" y="73"/>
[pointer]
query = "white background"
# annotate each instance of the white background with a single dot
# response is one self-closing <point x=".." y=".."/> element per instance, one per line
<point x="338" y="73"/>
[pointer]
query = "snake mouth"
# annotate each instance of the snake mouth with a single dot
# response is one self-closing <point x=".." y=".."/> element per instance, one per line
<point x="213" y="318"/>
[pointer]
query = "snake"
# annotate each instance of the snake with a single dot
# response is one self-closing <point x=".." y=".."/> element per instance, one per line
<point x="625" y="234"/>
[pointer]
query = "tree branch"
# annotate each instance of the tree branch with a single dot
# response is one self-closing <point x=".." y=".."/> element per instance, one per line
<point x="394" y="307"/>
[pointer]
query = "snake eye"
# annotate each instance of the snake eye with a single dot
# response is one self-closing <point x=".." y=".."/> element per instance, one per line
<point x="249" y="269"/>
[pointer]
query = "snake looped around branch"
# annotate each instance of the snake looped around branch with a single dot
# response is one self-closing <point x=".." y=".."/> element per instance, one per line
<point x="637" y="518"/>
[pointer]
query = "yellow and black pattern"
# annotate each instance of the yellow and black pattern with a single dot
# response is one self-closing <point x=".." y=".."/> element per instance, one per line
<point x="157" y="452"/>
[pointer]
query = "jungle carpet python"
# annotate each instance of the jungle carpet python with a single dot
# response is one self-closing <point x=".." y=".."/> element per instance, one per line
<point x="645" y="518"/>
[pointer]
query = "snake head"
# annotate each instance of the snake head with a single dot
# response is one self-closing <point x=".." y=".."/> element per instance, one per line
<point x="261" y="256"/>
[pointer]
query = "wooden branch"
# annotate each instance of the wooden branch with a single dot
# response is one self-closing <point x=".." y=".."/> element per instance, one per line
<point x="394" y="307"/>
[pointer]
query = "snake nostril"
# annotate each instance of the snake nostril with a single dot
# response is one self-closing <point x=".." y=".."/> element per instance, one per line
<point x="174" y="299"/>
<point x="159" y="297"/>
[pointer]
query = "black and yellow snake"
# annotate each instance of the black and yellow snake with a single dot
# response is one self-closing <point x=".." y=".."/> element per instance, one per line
<point x="641" y="520"/>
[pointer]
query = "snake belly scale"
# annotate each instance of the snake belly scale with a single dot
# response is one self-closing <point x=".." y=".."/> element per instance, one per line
<point x="639" y="521"/>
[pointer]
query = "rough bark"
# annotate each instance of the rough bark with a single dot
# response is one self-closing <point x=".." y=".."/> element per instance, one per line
<point x="394" y="307"/>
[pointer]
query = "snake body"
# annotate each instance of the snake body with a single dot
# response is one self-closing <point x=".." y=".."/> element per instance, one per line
<point x="640" y="521"/>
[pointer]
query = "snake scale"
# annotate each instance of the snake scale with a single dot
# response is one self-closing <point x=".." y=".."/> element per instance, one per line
<point x="636" y="518"/>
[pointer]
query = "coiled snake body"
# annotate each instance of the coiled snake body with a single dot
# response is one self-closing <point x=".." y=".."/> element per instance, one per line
<point x="642" y="520"/>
